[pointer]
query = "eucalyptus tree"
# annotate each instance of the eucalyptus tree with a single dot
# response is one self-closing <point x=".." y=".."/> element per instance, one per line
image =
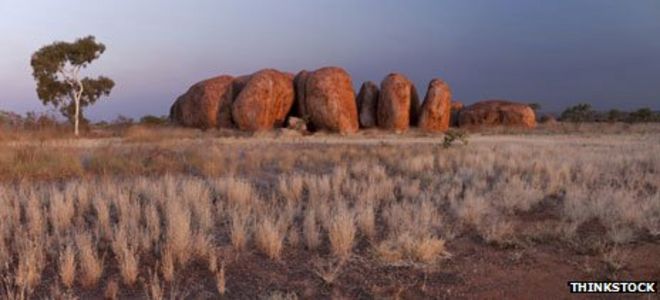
<point x="57" y="69"/>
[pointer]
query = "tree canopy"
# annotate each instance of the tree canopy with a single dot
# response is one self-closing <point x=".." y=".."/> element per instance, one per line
<point x="579" y="113"/>
<point x="56" y="68"/>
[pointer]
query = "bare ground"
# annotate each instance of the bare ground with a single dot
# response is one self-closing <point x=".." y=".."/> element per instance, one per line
<point x="476" y="270"/>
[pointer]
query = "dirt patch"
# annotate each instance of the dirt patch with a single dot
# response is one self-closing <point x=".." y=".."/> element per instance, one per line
<point x="475" y="270"/>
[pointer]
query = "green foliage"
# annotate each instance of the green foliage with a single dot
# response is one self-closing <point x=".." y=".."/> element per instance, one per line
<point x="68" y="112"/>
<point x="583" y="113"/>
<point x="35" y="121"/>
<point x="11" y="119"/>
<point x="615" y="115"/>
<point x="56" y="69"/>
<point x="453" y="135"/>
<point x="642" y="115"/>
<point x="579" y="113"/>
<point x="547" y="118"/>
<point x="122" y="121"/>
<point x="151" y="120"/>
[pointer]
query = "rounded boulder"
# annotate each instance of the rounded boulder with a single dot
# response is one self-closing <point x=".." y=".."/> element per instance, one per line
<point x="264" y="101"/>
<point x="206" y="104"/>
<point x="329" y="100"/>
<point x="435" y="114"/>
<point x="398" y="103"/>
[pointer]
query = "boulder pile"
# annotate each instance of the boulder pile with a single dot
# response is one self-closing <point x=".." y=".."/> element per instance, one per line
<point x="324" y="99"/>
<point x="497" y="113"/>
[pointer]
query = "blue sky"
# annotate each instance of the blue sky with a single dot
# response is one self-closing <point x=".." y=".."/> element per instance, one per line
<point x="557" y="53"/>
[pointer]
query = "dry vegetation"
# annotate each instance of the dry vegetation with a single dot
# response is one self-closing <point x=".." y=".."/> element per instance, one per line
<point x="144" y="215"/>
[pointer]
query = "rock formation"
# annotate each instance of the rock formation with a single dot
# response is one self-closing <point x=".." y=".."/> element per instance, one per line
<point x="497" y="113"/>
<point x="436" y="110"/>
<point x="264" y="101"/>
<point x="207" y="104"/>
<point x="367" y="103"/>
<point x="398" y="103"/>
<point x="329" y="100"/>
<point x="324" y="99"/>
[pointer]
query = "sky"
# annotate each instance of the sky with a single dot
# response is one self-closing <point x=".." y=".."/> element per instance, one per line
<point x="556" y="53"/>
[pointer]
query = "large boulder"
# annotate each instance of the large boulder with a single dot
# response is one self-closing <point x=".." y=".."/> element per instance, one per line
<point x="207" y="104"/>
<point x="367" y="103"/>
<point x="175" y="111"/>
<point x="398" y="103"/>
<point x="497" y="113"/>
<point x="436" y="110"/>
<point x="264" y="101"/>
<point x="329" y="100"/>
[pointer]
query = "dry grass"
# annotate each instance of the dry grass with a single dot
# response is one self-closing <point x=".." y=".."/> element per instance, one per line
<point x="428" y="249"/>
<point x="329" y="270"/>
<point x="167" y="265"/>
<point x="91" y="266"/>
<point x="407" y="248"/>
<point x="342" y="232"/>
<point x="127" y="257"/>
<point x="111" y="290"/>
<point x="31" y="261"/>
<point x="159" y="207"/>
<point x="154" y="289"/>
<point x="221" y="281"/>
<point x="311" y="230"/>
<point x="67" y="265"/>
<point x="239" y="231"/>
<point x="269" y="238"/>
<point x="179" y="233"/>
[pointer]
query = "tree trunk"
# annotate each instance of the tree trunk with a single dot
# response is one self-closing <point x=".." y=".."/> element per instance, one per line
<point x="76" y="117"/>
<point x="77" y="96"/>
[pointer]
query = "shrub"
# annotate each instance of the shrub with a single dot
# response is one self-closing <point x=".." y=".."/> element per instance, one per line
<point x="453" y="135"/>
<point x="579" y="113"/>
<point x="122" y="121"/>
<point x="641" y="115"/>
<point x="151" y="120"/>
